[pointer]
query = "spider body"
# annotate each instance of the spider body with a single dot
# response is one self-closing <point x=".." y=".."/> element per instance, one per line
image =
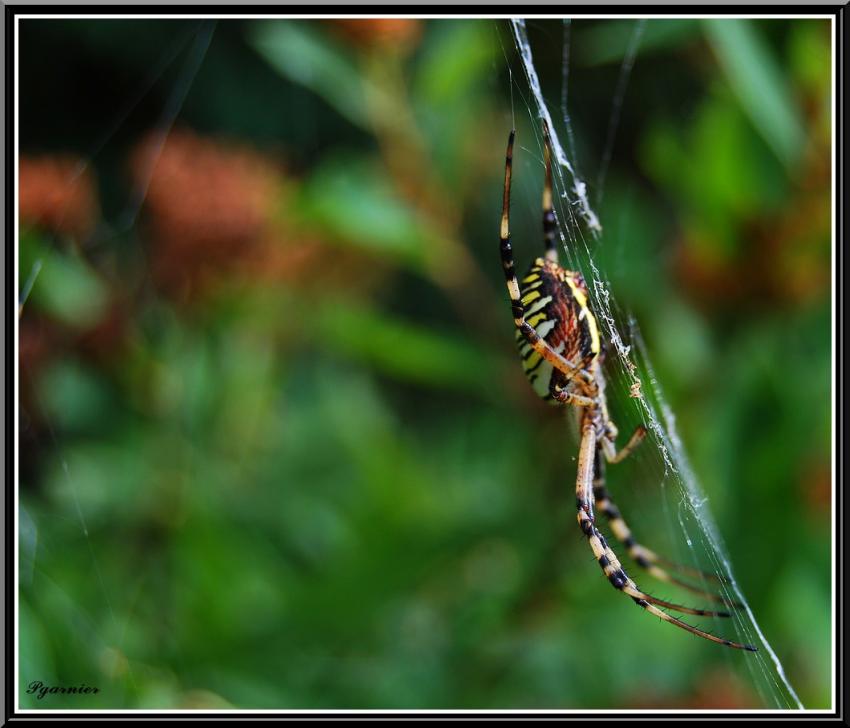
<point x="555" y="301"/>
<point x="561" y="350"/>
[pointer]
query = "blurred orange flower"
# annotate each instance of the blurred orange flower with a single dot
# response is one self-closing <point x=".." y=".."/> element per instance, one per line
<point x="217" y="211"/>
<point x="58" y="193"/>
<point x="208" y="205"/>
<point x="381" y="33"/>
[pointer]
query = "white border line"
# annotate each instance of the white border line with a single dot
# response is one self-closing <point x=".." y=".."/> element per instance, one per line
<point x="237" y="16"/>
<point x="15" y="304"/>
<point x="426" y="16"/>
<point x="834" y="216"/>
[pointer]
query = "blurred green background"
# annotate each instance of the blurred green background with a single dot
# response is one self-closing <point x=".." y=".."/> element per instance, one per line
<point x="276" y="447"/>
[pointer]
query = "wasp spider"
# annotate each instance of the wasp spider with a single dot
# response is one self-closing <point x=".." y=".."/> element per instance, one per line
<point x="562" y="354"/>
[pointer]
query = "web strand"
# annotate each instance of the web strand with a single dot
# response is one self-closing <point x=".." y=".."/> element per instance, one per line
<point x="198" y="52"/>
<point x="617" y="105"/>
<point x="634" y="381"/>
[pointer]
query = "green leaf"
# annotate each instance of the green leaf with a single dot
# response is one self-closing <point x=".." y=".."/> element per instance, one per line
<point x="65" y="286"/>
<point x="451" y="94"/>
<point x="352" y="200"/>
<point x="106" y="482"/>
<point x="295" y="50"/>
<point x="407" y="351"/>
<point x="75" y="397"/>
<point x="758" y="83"/>
<point x="718" y="170"/>
<point x="456" y="63"/>
<point x="608" y="41"/>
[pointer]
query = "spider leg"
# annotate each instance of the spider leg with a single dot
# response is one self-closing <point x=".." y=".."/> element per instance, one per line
<point x="549" y="224"/>
<point x="636" y="551"/>
<point x="605" y="556"/>
<point x="570" y="370"/>
<point x="612" y="455"/>
<point x="644" y="557"/>
<point x="556" y="389"/>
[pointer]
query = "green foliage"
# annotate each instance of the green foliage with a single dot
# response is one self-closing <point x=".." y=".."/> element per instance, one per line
<point x="757" y="80"/>
<point x="345" y="192"/>
<point x="67" y="289"/>
<point x="607" y="42"/>
<point x="308" y="57"/>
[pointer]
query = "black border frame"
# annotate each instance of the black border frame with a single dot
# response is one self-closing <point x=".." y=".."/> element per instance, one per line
<point x="11" y="12"/>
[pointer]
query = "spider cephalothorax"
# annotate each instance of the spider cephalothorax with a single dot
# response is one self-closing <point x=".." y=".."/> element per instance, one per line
<point x="561" y="349"/>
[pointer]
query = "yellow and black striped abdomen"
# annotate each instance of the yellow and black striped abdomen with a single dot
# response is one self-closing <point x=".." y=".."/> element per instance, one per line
<point x="556" y="307"/>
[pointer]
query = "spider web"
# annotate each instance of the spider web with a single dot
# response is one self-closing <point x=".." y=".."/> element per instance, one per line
<point x="632" y="383"/>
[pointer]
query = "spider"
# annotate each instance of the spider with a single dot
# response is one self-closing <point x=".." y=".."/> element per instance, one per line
<point x="562" y="354"/>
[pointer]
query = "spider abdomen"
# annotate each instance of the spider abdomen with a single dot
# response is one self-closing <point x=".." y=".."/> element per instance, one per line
<point x="555" y="302"/>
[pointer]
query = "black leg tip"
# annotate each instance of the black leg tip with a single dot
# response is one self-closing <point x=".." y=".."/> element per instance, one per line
<point x="748" y="648"/>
